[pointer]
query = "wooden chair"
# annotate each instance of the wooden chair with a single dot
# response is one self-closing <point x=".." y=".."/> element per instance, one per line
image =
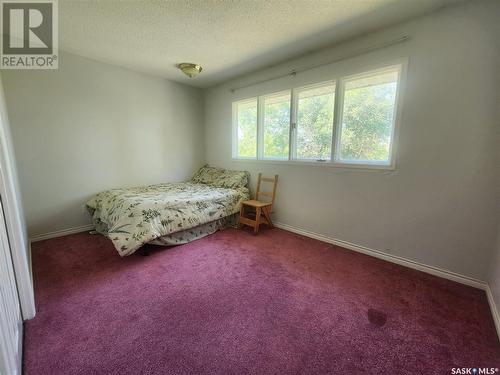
<point x="261" y="207"/>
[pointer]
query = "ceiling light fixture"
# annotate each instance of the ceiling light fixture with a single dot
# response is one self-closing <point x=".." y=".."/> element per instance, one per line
<point x="189" y="69"/>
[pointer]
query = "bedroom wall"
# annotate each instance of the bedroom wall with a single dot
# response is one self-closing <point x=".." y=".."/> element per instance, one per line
<point x="90" y="126"/>
<point x="494" y="276"/>
<point x="438" y="206"/>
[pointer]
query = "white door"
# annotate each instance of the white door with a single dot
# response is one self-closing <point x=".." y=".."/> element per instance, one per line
<point x="13" y="213"/>
<point x="11" y="326"/>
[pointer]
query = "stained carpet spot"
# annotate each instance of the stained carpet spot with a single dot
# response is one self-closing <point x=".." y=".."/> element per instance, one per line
<point x="377" y="318"/>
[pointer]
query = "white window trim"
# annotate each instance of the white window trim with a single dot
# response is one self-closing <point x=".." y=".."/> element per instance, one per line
<point x="338" y="138"/>
<point x="293" y="121"/>
<point x="335" y="162"/>
<point x="260" y="124"/>
<point x="235" y="128"/>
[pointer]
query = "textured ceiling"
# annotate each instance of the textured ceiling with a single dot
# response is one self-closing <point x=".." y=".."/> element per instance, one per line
<point x="228" y="38"/>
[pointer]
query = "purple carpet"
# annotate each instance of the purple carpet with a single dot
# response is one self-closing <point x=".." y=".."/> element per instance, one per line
<point x="235" y="303"/>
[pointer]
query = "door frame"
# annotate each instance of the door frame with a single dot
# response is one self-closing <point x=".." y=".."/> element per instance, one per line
<point x="14" y="217"/>
<point x="11" y="324"/>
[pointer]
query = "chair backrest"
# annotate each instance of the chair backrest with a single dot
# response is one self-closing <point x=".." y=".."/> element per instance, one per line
<point x="270" y="195"/>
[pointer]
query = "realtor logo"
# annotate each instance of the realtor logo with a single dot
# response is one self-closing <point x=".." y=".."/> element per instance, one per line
<point x="29" y="34"/>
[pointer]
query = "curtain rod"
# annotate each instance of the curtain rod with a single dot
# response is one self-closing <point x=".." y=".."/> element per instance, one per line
<point x="293" y="72"/>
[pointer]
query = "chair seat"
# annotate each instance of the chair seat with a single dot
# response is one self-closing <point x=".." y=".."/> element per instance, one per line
<point x="256" y="203"/>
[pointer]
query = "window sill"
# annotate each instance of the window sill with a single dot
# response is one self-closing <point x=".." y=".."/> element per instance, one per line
<point x="328" y="164"/>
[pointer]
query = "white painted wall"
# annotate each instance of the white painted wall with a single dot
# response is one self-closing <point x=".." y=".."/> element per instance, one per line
<point x="90" y="126"/>
<point x="494" y="276"/>
<point x="438" y="206"/>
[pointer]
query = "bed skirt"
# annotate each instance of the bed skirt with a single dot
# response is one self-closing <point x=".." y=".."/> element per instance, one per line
<point x="184" y="236"/>
<point x="196" y="233"/>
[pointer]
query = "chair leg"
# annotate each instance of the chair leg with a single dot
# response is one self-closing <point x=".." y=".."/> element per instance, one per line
<point x="268" y="217"/>
<point x="257" y="220"/>
<point x="242" y="211"/>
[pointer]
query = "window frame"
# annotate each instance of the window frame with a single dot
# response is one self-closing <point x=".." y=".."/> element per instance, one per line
<point x="235" y="129"/>
<point x="294" y="114"/>
<point x="338" y="125"/>
<point x="339" y="80"/>
<point x="261" y="124"/>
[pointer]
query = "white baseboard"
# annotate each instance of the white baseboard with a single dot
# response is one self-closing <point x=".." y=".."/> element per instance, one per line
<point x="389" y="257"/>
<point x="60" y="233"/>
<point x="348" y="245"/>
<point x="494" y="309"/>
<point x="407" y="263"/>
<point x="476" y="283"/>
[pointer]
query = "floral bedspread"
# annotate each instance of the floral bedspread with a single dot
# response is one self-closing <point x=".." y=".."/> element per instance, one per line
<point x="133" y="217"/>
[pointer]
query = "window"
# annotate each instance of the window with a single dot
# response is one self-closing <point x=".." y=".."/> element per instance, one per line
<point x="347" y="121"/>
<point x="367" y="118"/>
<point x="276" y="125"/>
<point x="314" y="122"/>
<point x="246" y="129"/>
